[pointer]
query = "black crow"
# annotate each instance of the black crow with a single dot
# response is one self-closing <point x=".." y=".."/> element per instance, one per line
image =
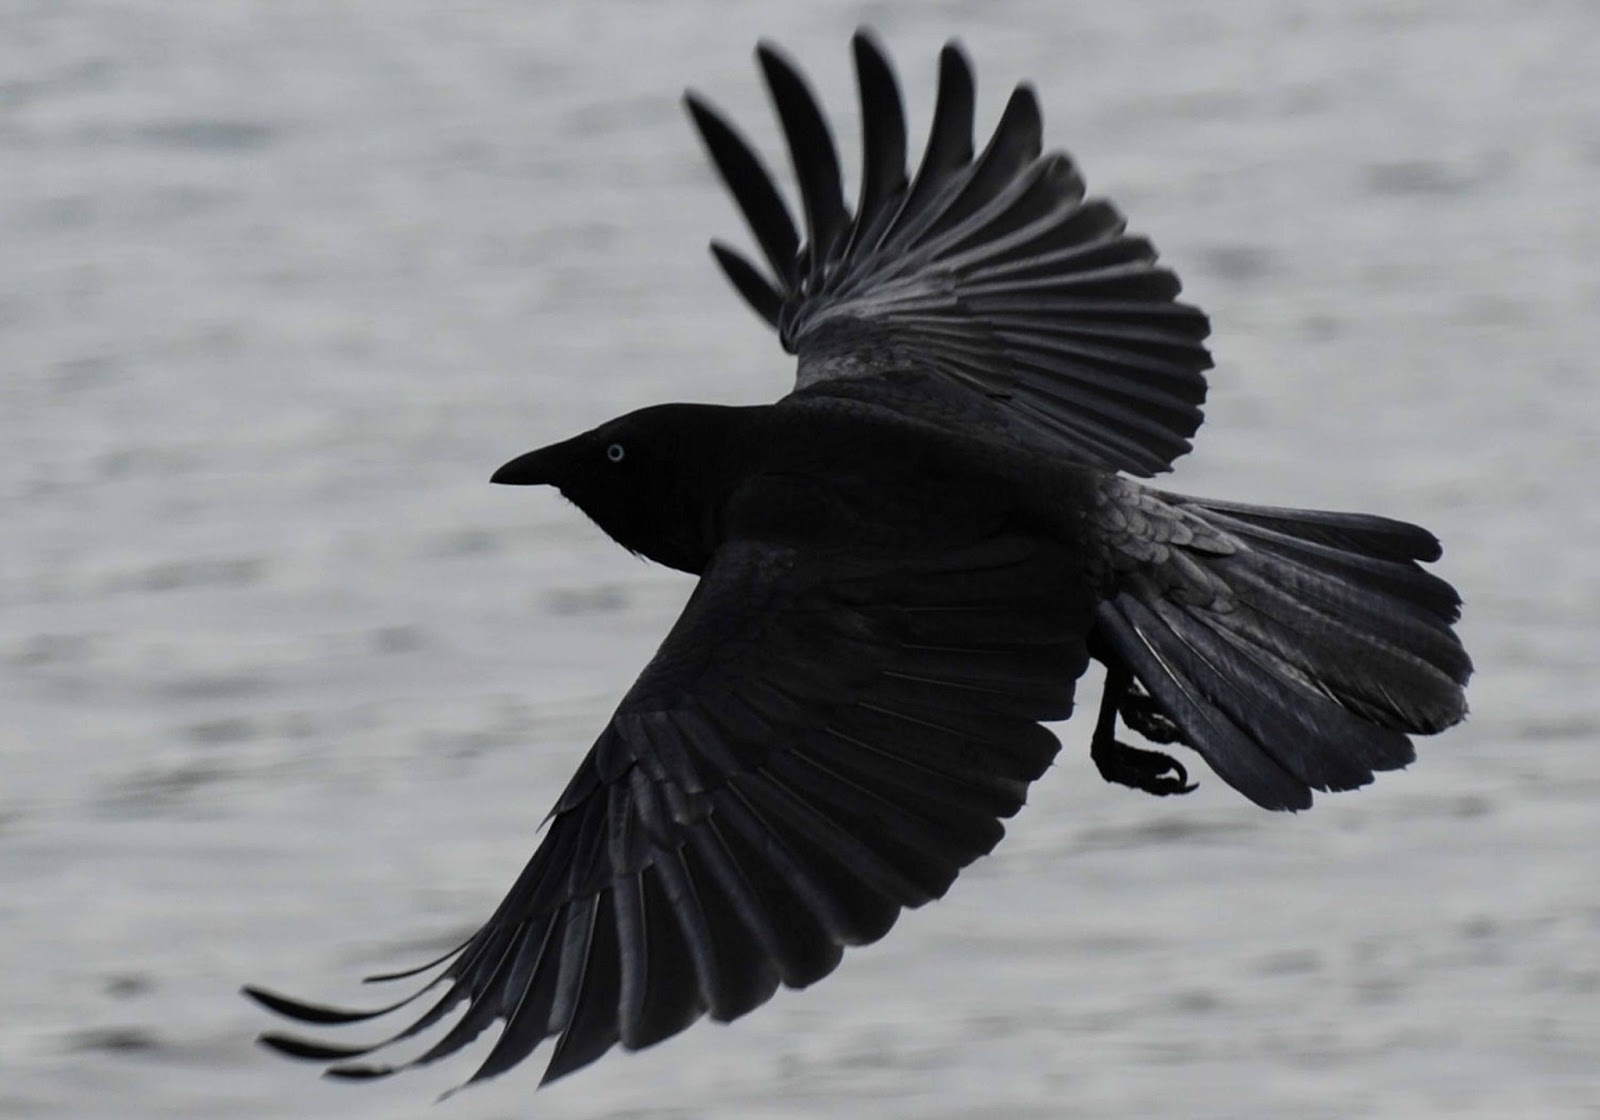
<point x="905" y="565"/>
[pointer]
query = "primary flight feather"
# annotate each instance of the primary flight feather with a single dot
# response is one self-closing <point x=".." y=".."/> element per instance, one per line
<point x="904" y="567"/>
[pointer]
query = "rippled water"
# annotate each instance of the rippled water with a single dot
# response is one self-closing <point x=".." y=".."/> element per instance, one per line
<point x="287" y="687"/>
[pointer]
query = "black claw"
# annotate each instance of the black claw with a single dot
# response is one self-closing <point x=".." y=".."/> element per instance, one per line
<point x="1150" y="771"/>
<point x="1138" y="710"/>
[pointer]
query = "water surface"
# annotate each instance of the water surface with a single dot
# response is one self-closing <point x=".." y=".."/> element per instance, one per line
<point x="287" y="687"/>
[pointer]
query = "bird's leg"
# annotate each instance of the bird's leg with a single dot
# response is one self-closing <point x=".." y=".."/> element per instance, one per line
<point x="1150" y="771"/>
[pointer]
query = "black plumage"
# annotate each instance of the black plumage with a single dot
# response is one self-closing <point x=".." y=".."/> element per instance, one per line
<point x="904" y="567"/>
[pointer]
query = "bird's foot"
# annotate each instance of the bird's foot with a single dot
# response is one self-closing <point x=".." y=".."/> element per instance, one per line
<point x="1150" y="771"/>
<point x="1138" y="710"/>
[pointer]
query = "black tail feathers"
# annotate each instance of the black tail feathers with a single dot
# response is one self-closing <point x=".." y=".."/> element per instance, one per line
<point x="1318" y="645"/>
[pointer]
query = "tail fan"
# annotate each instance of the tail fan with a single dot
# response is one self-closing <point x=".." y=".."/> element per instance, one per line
<point x="1294" y="650"/>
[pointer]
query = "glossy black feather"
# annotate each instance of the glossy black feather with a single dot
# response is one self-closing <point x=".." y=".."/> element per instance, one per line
<point x="766" y="300"/>
<point x="816" y="163"/>
<point x="304" y="1012"/>
<point x="949" y="148"/>
<point x="1013" y="147"/>
<point x="291" y="1047"/>
<point x="883" y="142"/>
<point x="751" y="187"/>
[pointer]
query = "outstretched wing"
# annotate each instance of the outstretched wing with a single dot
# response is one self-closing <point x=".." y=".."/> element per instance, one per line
<point x="1020" y="306"/>
<point x="817" y="744"/>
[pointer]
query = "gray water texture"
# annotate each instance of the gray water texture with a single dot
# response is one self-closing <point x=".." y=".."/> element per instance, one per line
<point x="286" y="687"/>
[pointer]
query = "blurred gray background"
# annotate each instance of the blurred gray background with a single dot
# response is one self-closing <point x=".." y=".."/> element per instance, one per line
<point x="287" y="686"/>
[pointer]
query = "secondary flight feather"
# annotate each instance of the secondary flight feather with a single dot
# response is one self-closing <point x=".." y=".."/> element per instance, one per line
<point x="904" y="567"/>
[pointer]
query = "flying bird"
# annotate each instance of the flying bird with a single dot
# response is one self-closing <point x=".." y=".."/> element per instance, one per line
<point x="904" y="567"/>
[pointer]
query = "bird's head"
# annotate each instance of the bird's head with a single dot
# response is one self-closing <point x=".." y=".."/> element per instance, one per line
<point x="647" y="479"/>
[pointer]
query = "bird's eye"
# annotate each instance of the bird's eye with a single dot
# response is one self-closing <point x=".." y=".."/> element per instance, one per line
<point x="615" y="452"/>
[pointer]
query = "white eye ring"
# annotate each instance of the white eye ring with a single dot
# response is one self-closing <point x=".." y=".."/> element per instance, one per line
<point x="615" y="452"/>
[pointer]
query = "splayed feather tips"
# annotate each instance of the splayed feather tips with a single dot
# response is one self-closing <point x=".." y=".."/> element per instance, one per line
<point x="719" y="842"/>
<point x="992" y="274"/>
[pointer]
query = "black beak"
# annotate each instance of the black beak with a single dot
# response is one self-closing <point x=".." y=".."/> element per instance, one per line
<point x="536" y="468"/>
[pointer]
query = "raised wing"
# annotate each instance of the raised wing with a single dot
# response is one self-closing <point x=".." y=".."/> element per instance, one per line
<point x="1021" y="303"/>
<point x="818" y="744"/>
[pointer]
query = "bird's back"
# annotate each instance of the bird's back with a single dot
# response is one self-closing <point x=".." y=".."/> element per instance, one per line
<point x="852" y="473"/>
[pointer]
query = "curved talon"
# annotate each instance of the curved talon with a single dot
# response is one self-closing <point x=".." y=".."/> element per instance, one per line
<point x="1141" y="769"/>
<point x="1150" y="771"/>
